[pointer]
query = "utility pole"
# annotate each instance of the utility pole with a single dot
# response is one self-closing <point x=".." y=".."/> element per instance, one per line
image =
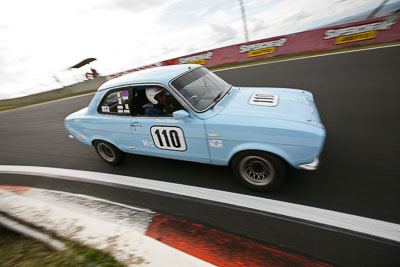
<point x="246" y="33"/>
<point x="376" y="10"/>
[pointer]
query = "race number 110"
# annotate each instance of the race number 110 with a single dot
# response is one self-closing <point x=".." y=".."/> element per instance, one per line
<point x="169" y="138"/>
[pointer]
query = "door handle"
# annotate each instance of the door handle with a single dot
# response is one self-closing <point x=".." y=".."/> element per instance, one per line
<point x="134" y="124"/>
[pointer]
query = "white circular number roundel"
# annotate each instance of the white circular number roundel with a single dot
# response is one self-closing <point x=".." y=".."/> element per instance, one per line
<point x="169" y="138"/>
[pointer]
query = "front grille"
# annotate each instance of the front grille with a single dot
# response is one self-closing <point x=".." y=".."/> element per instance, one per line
<point x="267" y="100"/>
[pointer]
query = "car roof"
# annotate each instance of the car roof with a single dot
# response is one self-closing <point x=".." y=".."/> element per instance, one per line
<point x="161" y="75"/>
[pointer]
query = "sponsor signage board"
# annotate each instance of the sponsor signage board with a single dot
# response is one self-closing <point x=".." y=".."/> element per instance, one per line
<point x="377" y="30"/>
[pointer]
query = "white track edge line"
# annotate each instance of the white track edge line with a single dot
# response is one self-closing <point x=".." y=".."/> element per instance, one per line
<point x="373" y="227"/>
<point x="306" y="57"/>
<point x="102" y="200"/>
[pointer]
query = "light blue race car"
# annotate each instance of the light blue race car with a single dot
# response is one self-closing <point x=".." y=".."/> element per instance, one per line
<point x="186" y="112"/>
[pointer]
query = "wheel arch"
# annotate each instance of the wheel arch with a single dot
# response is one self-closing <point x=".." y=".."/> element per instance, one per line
<point x="273" y="150"/>
<point x="102" y="138"/>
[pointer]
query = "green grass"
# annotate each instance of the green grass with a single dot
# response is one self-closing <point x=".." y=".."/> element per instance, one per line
<point x="2" y="108"/>
<point x="280" y="58"/>
<point x="20" y="251"/>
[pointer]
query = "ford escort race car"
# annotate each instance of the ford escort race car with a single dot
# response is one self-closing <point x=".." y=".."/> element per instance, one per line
<point x="186" y="112"/>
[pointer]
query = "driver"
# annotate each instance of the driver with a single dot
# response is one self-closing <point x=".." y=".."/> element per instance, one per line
<point x="156" y="98"/>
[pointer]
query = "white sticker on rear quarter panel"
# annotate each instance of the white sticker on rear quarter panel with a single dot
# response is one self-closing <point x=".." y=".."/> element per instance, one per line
<point x="216" y="143"/>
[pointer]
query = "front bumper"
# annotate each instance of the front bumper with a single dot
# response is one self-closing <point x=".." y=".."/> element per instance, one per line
<point x="310" y="166"/>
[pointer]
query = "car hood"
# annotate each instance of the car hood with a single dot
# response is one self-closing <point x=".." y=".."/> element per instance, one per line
<point x="277" y="103"/>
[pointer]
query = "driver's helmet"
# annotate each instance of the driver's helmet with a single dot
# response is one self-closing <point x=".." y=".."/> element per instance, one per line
<point x="151" y="94"/>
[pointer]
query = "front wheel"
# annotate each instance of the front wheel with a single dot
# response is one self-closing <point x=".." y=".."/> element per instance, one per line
<point x="259" y="170"/>
<point x="108" y="152"/>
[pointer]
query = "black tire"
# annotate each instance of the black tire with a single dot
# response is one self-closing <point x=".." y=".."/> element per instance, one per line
<point x="108" y="152"/>
<point x="259" y="170"/>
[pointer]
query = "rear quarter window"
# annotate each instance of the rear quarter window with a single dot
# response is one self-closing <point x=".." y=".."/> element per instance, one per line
<point x="116" y="102"/>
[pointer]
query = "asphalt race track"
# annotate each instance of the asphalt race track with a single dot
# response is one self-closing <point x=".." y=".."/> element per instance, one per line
<point x="357" y="95"/>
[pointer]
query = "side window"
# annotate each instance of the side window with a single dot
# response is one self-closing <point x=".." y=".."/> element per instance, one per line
<point x="116" y="102"/>
<point x="153" y="101"/>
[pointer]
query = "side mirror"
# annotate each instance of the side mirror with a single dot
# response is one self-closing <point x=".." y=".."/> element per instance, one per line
<point x="180" y="114"/>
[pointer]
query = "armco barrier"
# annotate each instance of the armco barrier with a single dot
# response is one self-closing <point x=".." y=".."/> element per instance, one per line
<point x="76" y="88"/>
<point x="364" y="32"/>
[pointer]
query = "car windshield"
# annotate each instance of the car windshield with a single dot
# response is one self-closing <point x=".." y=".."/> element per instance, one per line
<point x="201" y="88"/>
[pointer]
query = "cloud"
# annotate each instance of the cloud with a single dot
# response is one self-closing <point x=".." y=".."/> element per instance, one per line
<point x="137" y="5"/>
<point x="132" y="5"/>
<point x="3" y="66"/>
<point x="222" y="33"/>
<point x="256" y="25"/>
<point x="297" y="17"/>
<point x="168" y="50"/>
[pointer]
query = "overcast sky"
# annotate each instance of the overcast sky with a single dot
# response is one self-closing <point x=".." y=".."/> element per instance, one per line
<point x="42" y="38"/>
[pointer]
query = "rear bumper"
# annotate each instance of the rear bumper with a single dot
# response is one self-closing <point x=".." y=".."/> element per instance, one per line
<point x="310" y="166"/>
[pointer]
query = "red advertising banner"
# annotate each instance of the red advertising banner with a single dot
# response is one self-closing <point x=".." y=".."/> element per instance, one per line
<point x="365" y="32"/>
<point x="112" y="76"/>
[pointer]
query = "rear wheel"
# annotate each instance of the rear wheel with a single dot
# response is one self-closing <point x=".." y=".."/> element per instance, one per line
<point x="259" y="170"/>
<point x="108" y="152"/>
